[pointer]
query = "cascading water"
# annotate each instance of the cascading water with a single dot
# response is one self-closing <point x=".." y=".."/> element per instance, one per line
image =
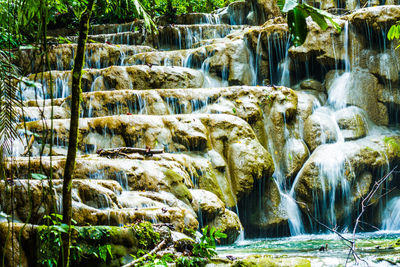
<point x="391" y="215"/>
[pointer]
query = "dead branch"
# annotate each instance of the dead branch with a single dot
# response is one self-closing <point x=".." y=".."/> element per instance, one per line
<point x="365" y="202"/>
<point x="123" y="151"/>
<point x="156" y="249"/>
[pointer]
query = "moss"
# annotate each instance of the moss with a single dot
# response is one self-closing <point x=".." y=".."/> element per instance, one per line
<point x="119" y="251"/>
<point x="208" y="181"/>
<point x="393" y="144"/>
<point x="177" y="187"/>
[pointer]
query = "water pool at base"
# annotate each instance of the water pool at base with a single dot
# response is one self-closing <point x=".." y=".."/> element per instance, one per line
<point x="377" y="249"/>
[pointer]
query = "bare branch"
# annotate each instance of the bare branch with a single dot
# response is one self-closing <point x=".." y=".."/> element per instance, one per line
<point x="156" y="249"/>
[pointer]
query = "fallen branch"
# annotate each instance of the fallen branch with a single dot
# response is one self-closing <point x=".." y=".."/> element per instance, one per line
<point x="114" y="152"/>
<point x="144" y="257"/>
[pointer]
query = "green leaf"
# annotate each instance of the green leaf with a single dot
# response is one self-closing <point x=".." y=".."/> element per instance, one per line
<point x="297" y="26"/>
<point x="390" y="34"/>
<point x="62" y="228"/>
<point x="38" y="176"/>
<point x="289" y="5"/>
<point x="319" y="19"/>
<point x="280" y="4"/>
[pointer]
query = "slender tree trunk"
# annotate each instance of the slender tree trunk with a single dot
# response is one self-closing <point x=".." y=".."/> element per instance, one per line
<point x="73" y="129"/>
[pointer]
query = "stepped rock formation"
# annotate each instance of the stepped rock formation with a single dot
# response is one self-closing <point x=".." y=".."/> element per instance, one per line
<point x="255" y="133"/>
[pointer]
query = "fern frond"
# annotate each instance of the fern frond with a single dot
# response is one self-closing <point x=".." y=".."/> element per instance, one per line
<point x="9" y="102"/>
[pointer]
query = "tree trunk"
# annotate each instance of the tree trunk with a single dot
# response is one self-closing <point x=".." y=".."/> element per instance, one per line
<point x="73" y="132"/>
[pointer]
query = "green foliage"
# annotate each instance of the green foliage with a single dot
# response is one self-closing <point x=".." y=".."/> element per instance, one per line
<point x="50" y="238"/>
<point x="394" y="32"/>
<point x="146" y="235"/>
<point x="203" y="250"/>
<point x="206" y="247"/>
<point x="183" y="261"/>
<point x="393" y="144"/>
<point x="296" y="16"/>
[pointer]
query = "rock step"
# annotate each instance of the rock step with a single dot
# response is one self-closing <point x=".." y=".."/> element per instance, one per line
<point x="252" y="104"/>
<point x="378" y="17"/>
<point x="100" y="202"/>
<point x="228" y="59"/>
<point x="236" y="13"/>
<point x="61" y="56"/>
<point x="115" y="78"/>
<point x="176" y="36"/>
<point x="222" y="138"/>
<point x="207" y="169"/>
<point x="116" y="27"/>
<point x="173" y="133"/>
<point x="103" y="202"/>
<point x="246" y="102"/>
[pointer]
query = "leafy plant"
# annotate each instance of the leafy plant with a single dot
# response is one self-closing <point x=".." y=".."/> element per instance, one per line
<point x="50" y="239"/>
<point x="205" y="248"/>
<point x="394" y="32"/>
<point x="183" y="261"/>
<point x="296" y="17"/>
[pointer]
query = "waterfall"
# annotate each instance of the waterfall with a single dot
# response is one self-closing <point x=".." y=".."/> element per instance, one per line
<point x="391" y="215"/>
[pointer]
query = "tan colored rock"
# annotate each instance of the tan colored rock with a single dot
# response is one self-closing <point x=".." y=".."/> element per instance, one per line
<point x="229" y="224"/>
<point x="296" y="153"/>
<point x="263" y="260"/>
<point x="117" y="27"/>
<point x="16" y="243"/>
<point x="306" y="103"/>
<point x="131" y="77"/>
<point x="322" y="4"/>
<point x="352" y="123"/>
<point x="311" y="84"/>
<point x="336" y="167"/>
<point x="236" y="13"/>
<point x="37" y="113"/>
<point x="268" y="37"/>
<point x="228" y="57"/>
<point x="61" y="56"/>
<point x="328" y="45"/>
<point x="228" y="135"/>
<point x="358" y="88"/>
<point x="265" y="9"/>
<point x="377" y="17"/>
<point x="319" y="128"/>
<point x="385" y="65"/>
<point x="264" y="209"/>
<point x="207" y="204"/>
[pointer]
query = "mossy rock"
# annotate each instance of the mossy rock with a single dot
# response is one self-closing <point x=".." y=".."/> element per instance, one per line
<point x="177" y="186"/>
